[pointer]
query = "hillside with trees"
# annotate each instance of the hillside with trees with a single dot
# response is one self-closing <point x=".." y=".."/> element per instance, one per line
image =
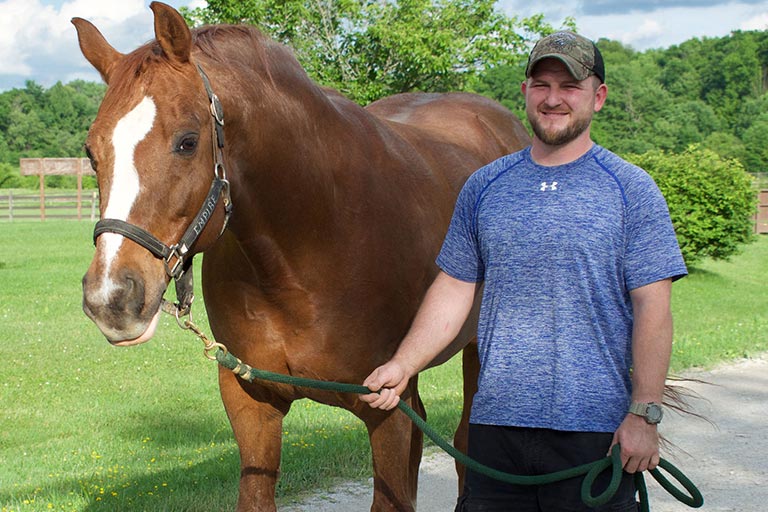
<point x="36" y="122"/>
<point x="710" y="92"/>
<point x="703" y="100"/>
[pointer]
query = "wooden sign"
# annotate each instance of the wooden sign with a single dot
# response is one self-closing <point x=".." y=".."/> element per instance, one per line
<point x="55" y="166"/>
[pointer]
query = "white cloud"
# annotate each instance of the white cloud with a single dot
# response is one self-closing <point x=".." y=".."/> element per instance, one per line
<point x="38" y="42"/>
<point x="20" y="27"/>
<point x="757" y="22"/>
<point x="650" y="29"/>
<point x="666" y="24"/>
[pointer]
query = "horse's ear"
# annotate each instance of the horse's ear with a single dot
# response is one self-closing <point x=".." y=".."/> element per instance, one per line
<point x="172" y="33"/>
<point x="95" y="48"/>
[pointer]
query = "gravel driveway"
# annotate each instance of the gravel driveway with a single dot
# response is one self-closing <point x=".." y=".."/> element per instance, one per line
<point x="728" y="462"/>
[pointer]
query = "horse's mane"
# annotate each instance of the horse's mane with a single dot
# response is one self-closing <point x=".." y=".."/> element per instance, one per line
<point x="220" y="42"/>
<point x="250" y="59"/>
<point x="246" y="45"/>
<point x="229" y="44"/>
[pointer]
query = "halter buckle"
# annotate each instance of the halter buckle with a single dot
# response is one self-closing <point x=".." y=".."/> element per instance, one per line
<point x="217" y="111"/>
<point x="176" y="269"/>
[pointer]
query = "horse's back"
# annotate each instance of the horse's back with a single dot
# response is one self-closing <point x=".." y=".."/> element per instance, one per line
<point x="480" y="126"/>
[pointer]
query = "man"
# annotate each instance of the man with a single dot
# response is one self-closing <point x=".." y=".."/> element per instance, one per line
<point x="576" y="252"/>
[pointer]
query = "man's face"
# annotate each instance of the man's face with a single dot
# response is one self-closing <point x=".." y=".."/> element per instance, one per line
<point x="559" y="107"/>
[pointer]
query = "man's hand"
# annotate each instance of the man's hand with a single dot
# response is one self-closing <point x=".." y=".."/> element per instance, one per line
<point x="639" y="444"/>
<point x="390" y="380"/>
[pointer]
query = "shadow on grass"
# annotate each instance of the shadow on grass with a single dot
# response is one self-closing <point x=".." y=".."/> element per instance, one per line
<point x="205" y="486"/>
<point x="702" y="272"/>
<point x="183" y="461"/>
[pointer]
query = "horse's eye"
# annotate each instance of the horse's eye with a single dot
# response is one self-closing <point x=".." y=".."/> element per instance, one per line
<point x="90" y="157"/>
<point x="187" y="145"/>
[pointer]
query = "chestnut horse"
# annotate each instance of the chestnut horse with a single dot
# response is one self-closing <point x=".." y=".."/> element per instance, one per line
<point x="339" y="212"/>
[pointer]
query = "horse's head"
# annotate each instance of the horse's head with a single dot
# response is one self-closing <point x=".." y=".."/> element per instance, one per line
<point x="154" y="148"/>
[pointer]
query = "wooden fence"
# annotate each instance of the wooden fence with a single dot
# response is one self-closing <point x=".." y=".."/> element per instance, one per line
<point x="16" y="206"/>
<point x="84" y="205"/>
<point x="43" y="167"/>
<point x="761" y="217"/>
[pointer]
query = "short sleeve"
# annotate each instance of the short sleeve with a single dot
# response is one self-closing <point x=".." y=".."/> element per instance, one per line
<point x="460" y="255"/>
<point x="652" y="251"/>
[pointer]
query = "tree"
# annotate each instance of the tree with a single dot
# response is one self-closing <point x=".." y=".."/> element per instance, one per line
<point x="755" y="140"/>
<point x="370" y="49"/>
<point x="39" y="122"/>
<point x="727" y="145"/>
<point x="502" y="83"/>
<point x="711" y="200"/>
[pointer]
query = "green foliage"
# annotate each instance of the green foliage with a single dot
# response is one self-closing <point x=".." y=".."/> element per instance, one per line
<point x="710" y="92"/>
<point x="368" y="50"/>
<point x="37" y="122"/>
<point x="711" y="200"/>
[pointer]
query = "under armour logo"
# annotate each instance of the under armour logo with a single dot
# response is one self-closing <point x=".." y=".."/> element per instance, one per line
<point x="546" y="186"/>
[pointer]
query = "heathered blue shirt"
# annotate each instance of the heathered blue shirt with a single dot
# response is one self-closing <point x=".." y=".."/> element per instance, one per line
<point x="559" y="249"/>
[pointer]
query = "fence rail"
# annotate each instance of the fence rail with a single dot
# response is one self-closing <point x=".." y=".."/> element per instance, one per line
<point x="19" y="206"/>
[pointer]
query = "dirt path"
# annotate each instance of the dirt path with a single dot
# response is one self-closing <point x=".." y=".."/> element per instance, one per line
<point x="727" y="462"/>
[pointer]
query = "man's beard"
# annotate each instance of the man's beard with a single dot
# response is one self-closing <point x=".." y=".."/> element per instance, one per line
<point x="559" y="137"/>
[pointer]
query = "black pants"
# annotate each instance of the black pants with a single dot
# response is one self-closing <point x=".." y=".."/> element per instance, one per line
<point x="526" y="451"/>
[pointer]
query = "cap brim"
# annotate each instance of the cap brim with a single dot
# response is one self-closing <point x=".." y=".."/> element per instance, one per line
<point x="578" y="70"/>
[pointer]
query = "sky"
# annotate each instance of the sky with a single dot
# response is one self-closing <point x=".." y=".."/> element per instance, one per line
<point x="38" y="42"/>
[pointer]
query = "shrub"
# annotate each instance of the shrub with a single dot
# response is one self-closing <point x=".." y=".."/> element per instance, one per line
<point x="10" y="177"/>
<point x="711" y="200"/>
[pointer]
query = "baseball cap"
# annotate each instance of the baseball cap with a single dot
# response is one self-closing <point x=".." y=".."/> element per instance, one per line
<point x="579" y="54"/>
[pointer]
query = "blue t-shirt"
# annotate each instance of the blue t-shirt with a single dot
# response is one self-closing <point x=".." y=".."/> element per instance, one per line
<point x="559" y="249"/>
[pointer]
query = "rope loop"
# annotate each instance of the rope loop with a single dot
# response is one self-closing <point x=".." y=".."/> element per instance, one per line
<point x="613" y="462"/>
<point x="693" y="499"/>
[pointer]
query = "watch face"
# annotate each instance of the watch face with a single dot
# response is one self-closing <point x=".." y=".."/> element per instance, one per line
<point x="653" y="413"/>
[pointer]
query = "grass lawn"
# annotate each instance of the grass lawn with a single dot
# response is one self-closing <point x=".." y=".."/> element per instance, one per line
<point x="90" y="427"/>
<point x="721" y="309"/>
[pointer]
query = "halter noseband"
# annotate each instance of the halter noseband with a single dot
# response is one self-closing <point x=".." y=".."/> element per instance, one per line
<point x="175" y="256"/>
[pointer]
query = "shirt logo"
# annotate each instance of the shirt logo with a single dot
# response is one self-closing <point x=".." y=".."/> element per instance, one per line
<point x="547" y="186"/>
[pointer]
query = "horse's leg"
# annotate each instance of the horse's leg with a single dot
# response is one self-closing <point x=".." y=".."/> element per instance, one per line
<point x="396" y="446"/>
<point x="257" y="426"/>
<point x="470" y="364"/>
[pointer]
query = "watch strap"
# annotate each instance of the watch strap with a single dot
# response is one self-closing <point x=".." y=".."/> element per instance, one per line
<point x="643" y="409"/>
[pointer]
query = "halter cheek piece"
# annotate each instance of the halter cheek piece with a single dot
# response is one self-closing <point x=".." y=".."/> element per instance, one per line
<point x="176" y="257"/>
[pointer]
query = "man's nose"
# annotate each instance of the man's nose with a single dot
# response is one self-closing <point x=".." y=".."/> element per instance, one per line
<point x="554" y="97"/>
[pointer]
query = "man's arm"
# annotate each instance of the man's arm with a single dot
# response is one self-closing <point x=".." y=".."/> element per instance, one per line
<point x="438" y="321"/>
<point x="651" y="352"/>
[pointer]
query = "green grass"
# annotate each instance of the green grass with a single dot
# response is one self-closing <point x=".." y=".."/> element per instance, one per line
<point x="90" y="427"/>
<point x="721" y="310"/>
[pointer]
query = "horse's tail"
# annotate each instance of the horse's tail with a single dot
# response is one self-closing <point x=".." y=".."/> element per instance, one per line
<point x="682" y="399"/>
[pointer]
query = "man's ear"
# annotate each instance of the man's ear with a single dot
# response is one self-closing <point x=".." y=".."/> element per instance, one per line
<point x="600" y="96"/>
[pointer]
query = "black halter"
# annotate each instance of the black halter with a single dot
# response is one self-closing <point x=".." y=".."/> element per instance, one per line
<point x="176" y="257"/>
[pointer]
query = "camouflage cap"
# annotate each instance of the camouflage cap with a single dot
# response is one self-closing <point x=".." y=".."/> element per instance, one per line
<point x="578" y="53"/>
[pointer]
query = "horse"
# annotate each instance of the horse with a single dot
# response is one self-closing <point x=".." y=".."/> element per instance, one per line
<point x="320" y="223"/>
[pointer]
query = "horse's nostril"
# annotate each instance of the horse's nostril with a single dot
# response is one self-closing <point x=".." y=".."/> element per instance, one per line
<point x="131" y="293"/>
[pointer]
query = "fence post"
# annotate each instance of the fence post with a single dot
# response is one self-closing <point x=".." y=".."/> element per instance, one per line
<point x="42" y="194"/>
<point x="10" y="205"/>
<point x="80" y="189"/>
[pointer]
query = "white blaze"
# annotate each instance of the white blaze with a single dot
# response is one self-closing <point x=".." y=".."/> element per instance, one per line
<point x="129" y="131"/>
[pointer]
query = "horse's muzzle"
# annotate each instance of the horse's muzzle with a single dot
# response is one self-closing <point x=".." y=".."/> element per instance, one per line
<point x="121" y="306"/>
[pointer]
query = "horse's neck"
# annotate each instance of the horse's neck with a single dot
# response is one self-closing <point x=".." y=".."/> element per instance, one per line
<point x="284" y="146"/>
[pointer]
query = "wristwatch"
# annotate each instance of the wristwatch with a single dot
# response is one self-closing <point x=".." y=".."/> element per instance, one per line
<point x="651" y="412"/>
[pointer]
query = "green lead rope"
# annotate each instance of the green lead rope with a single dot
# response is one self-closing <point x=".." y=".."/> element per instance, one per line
<point x="693" y="499"/>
